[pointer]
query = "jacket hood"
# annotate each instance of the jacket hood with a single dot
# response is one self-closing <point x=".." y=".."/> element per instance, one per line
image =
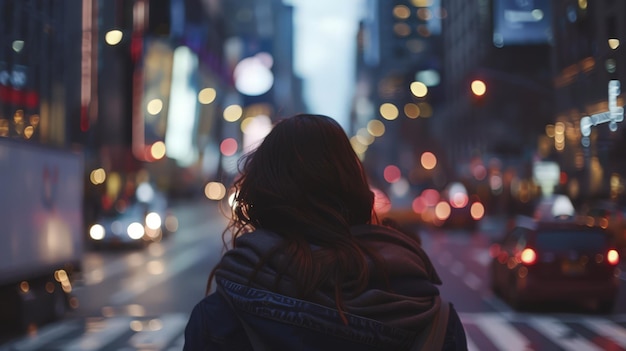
<point x="409" y="300"/>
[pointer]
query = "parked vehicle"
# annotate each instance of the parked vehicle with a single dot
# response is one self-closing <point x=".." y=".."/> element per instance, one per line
<point x="42" y="231"/>
<point x="559" y="260"/>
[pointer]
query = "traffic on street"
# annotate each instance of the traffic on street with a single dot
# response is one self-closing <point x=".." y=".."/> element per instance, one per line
<point x="492" y="130"/>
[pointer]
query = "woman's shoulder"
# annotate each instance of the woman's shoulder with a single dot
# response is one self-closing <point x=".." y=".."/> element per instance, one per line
<point x="211" y="308"/>
<point x="212" y="325"/>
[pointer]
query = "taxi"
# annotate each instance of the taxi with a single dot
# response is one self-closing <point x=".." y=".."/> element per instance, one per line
<point x="558" y="259"/>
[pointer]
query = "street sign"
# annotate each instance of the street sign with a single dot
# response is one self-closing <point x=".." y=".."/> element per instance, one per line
<point x="612" y="116"/>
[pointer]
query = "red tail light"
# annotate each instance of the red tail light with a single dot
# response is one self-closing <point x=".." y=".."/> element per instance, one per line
<point x="528" y="256"/>
<point x="612" y="257"/>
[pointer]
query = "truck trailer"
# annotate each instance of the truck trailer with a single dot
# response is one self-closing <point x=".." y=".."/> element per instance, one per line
<point x="41" y="232"/>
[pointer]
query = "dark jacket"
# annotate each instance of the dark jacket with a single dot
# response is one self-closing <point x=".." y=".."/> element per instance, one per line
<point x="387" y="316"/>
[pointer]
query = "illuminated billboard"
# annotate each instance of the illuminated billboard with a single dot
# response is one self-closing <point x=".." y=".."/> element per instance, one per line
<point x="152" y="92"/>
<point x="521" y="22"/>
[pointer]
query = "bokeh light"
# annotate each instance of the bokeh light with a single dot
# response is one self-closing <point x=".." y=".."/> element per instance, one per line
<point x="477" y="210"/>
<point x="157" y="150"/>
<point x="428" y="160"/>
<point x="113" y="37"/>
<point x="229" y="147"/>
<point x="376" y="128"/>
<point x="478" y="87"/>
<point x="253" y="76"/>
<point x="412" y="110"/>
<point x="392" y="173"/>
<point x="233" y="113"/>
<point x="97" y="176"/>
<point x="207" y="96"/>
<point x="419" y="89"/>
<point x="442" y="210"/>
<point x="154" y="106"/>
<point x="215" y="191"/>
<point x="389" y="111"/>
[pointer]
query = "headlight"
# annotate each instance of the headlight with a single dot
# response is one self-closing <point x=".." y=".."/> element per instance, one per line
<point x="153" y="221"/>
<point x="96" y="232"/>
<point x="135" y="230"/>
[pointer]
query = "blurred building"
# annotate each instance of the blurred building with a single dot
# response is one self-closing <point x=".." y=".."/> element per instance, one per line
<point x="544" y="66"/>
<point x="399" y="47"/>
<point x="40" y="72"/>
<point x="484" y="41"/>
<point x="264" y="27"/>
<point x="498" y="93"/>
<point x="588" y="52"/>
<point x="167" y="95"/>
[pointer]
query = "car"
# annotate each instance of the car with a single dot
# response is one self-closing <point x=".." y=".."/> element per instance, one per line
<point x="562" y="259"/>
<point x="136" y="223"/>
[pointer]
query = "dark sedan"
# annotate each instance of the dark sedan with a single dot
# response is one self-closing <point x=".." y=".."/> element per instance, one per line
<point x="557" y="260"/>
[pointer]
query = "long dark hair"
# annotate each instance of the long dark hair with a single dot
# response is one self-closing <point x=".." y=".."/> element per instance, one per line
<point x="306" y="183"/>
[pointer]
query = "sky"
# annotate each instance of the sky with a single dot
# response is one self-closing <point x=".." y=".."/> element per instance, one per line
<point x="325" y="47"/>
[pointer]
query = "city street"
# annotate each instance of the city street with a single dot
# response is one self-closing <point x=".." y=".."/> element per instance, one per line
<point x="140" y="299"/>
<point x="124" y="124"/>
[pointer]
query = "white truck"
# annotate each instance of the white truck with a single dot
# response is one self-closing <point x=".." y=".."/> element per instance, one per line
<point x="41" y="231"/>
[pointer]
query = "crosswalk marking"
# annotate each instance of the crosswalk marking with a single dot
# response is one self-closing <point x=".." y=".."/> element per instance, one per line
<point x="562" y="335"/>
<point x="607" y="329"/>
<point x="472" y="281"/>
<point x="501" y="333"/>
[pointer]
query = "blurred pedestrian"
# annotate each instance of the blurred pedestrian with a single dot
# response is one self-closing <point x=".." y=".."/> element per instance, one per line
<point x="311" y="268"/>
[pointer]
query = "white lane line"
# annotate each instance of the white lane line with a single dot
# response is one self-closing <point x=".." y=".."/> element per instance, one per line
<point x="608" y="329"/>
<point x="172" y="268"/>
<point x="501" y="333"/>
<point x="99" y="274"/>
<point x="457" y="268"/>
<point x="99" y="334"/>
<point x="482" y="256"/>
<point x="43" y="337"/>
<point x="561" y="334"/>
<point x="472" y="281"/>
